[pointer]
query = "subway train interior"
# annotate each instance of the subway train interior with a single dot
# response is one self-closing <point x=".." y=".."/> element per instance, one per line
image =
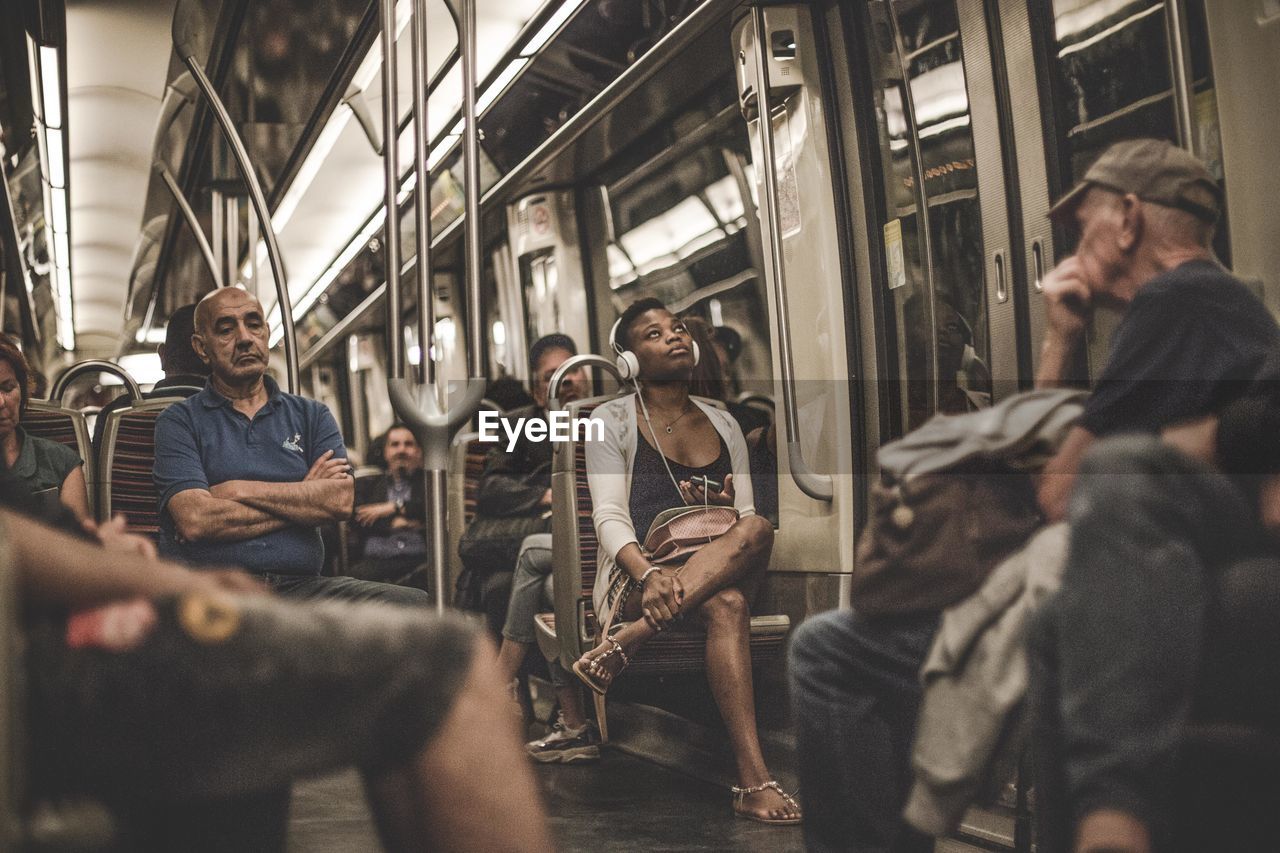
<point x="873" y="254"/>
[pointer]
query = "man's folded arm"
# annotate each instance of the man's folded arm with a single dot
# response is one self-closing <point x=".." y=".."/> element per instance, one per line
<point x="199" y="516"/>
<point x="308" y="503"/>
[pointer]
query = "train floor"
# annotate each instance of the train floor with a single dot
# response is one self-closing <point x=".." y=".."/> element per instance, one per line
<point x="620" y="804"/>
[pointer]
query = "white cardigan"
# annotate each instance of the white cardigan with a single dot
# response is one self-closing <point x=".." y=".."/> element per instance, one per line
<point x="609" y="466"/>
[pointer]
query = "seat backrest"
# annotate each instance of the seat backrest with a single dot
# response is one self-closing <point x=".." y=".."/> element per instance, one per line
<point x="126" y="460"/>
<point x="65" y="426"/>
<point x="574" y="546"/>
<point x="467" y="457"/>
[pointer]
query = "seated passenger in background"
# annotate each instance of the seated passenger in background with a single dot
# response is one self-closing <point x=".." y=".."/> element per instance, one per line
<point x="655" y="442"/>
<point x="169" y="685"/>
<point x="1191" y="338"/>
<point x="513" y="498"/>
<point x="51" y="471"/>
<point x="246" y="472"/>
<point x="711" y="376"/>
<point x="389" y="513"/>
<point x="182" y="367"/>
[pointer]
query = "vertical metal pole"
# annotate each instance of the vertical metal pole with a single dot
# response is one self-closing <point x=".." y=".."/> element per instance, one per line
<point x="471" y="169"/>
<point x="922" y="201"/>
<point x="434" y="480"/>
<point x="216" y="237"/>
<point x="231" y="241"/>
<point x="391" y="175"/>
<point x="422" y="194"/>
<point x="1180" y="72"/>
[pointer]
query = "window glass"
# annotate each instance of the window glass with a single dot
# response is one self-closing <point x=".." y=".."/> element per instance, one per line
<point x="940" y="332"/>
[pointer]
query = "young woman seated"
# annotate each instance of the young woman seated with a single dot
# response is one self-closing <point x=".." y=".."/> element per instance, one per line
<point x="656" y="444"/>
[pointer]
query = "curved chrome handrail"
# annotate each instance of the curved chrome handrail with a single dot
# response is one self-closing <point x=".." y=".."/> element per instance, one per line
<point x="820" y="487"/>
<point x="574" y="363"/>
<point x="185" y="40"/>
<point x="189" y="216"/>
<point x="93" y="366"/>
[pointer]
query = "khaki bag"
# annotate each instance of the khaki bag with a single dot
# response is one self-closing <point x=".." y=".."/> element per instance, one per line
<point x="931" y="541"/>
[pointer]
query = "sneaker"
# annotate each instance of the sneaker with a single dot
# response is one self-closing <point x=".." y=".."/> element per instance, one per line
<point x="565" y="745"/>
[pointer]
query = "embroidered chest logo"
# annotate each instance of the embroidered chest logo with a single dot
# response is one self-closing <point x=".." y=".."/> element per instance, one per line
<point x="292" y="443"/>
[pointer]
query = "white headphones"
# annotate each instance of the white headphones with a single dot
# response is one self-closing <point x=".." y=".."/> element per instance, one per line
<point x="628" y="363"/>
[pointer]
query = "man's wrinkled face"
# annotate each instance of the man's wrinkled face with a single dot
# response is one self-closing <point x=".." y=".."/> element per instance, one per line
<point x="402" y="451"/>
<point x="572" y="386"/>
<point x="231" y="336"/>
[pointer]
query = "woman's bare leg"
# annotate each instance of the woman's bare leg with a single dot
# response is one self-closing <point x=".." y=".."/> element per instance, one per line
<point x="728" y="620"/>
<point x="736" y="557"/>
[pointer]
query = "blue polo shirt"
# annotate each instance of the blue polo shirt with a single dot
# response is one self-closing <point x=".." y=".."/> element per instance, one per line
<point x="204" y="440"/>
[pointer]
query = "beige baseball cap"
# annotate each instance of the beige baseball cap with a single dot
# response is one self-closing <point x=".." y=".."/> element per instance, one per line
<point x="1154" y="170"/>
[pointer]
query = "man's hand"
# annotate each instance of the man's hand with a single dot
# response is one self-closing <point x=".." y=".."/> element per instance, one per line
<point x="370" y="513"/>
<point x="1068" y="301"/>
<point x="663" y="594"/>
<point x="694" y="493"/>
<point x="546" y="498"/>
<point x="328" y="467"/>
<point x="114" y="536"/>
<point x="1197" y="439"/>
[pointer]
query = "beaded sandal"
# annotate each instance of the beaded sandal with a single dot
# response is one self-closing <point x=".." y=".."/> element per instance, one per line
<point x="588" y="678"/>
<point x="739" y="793"/>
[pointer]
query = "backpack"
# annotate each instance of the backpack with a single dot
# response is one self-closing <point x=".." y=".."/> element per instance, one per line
<point x="956" y="497"/>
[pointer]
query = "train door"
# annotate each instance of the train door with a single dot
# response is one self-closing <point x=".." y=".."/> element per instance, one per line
<point x="543" y="239"/>
<point x="942" y="168"/>
<point x="806" y="296"/>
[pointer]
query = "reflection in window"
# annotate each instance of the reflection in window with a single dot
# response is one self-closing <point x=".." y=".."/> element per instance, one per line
<point x="941" y="335"/>
<point x="1112" y="59"/>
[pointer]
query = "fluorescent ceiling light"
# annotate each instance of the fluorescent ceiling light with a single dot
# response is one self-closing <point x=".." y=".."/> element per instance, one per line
<point x="57" y="169"/>
<point x="150" y="336"/>
<point x="144" y="367"/>
<point x="489" y="95"/>
<point x="66" y="329"/>
<point x="321" y="284"/>
<point x="309" y="169"/>
<point x="58" y="201"/>
<point x="51" y="86"/>
<point x="550" y="28"/>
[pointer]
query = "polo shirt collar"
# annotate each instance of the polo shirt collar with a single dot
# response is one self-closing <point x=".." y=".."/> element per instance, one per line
<point x="25" y="467"/>
<point x="211" y="399"/>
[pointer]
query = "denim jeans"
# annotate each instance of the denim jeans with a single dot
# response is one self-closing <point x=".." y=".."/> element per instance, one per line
<point x="1166" y="615"/>
<point x="532" y="591"/>
<point x="532" y="578"/>
<point x="855" y="695"/>
<point x="315" y="587"/>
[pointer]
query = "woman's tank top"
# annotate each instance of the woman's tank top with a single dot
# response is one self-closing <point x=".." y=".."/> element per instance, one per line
<point x="652" y="490"/>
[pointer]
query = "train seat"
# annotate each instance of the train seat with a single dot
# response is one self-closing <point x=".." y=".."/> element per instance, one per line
<point x="574" y="549"/>
<point x="126" y="458"/>
<point x="466" y="463"/>
<point x="51" y="420"/>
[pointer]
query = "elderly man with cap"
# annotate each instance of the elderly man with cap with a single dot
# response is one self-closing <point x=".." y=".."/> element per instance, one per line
<point x="1191" y="338"/>
<point x="1162" y="540"/>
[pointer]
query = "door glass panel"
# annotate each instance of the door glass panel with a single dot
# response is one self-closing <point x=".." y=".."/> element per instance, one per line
<point x="949" y="322"/>
<point x="1112" y="79"/>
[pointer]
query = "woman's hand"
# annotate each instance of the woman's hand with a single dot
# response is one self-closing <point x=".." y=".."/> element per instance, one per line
<point x="694" y="493"/>
<point x="115" y="536"/>
<point x="662" y="596"/>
